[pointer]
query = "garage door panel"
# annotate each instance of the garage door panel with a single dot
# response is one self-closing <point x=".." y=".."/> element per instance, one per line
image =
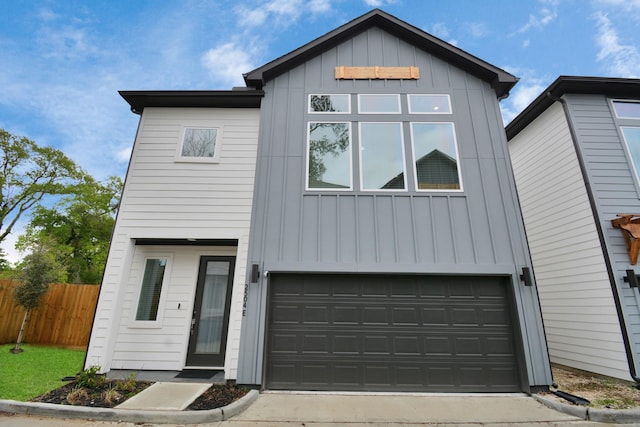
<point x="411" y="333"/>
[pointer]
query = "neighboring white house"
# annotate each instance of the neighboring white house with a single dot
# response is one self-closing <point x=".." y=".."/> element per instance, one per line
<point x="175" y="271"/>
<point x="575" y="153"/>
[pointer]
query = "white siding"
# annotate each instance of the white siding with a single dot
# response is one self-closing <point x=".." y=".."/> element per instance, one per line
<point x="578" y="309"/>
<point x="166" y="199"/>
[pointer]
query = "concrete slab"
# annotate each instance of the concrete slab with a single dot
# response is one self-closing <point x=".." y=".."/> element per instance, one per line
<point x="398" y="409"/>
<point x="165" y="397"/>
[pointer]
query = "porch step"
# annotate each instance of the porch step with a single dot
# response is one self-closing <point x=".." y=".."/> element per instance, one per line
<point x="166" y="396"/>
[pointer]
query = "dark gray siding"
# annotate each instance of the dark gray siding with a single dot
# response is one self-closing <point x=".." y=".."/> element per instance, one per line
<point x="615" y="191"/>
<point x="477" y="231"/>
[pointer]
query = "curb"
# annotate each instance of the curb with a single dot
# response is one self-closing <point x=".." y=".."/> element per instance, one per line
<point x="616" y="416"/>
<point x="131" y="416"/>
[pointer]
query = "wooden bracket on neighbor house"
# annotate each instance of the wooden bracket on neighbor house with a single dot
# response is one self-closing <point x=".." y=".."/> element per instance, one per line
<point x="630" y="226"/>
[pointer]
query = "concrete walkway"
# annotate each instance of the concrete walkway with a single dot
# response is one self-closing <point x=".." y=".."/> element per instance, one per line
<point x="165" y="397"/>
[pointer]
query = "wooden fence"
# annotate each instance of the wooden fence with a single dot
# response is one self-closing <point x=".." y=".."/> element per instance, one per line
<point x="63" y="318"/>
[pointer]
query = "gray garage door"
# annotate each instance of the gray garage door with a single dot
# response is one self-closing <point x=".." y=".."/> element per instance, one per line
<point x="390" y="333"/>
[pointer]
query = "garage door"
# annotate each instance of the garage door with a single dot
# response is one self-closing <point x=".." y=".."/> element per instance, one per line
<point x="390" y="333"/>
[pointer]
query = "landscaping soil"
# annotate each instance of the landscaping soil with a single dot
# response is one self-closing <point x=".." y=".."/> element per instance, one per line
<point x="106" y="395"/>
<point x="109" y="395"/>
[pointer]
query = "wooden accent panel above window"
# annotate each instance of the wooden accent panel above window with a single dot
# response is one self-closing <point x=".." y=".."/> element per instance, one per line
<point x="409" y="73"/>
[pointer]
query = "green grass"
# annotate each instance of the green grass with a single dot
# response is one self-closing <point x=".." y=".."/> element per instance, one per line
<point x="36" y="370"/>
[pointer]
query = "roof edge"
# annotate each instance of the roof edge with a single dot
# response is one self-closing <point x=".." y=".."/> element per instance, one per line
<point x="608" y="86"/>
<point x="243" y="98"/>
<point x="500" y="80"/>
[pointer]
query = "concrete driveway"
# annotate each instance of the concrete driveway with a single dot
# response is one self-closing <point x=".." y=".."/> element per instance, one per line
<point x="354" y="410"/>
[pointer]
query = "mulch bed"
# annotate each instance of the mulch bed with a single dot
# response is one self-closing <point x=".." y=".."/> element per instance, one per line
<point x="110" y="394"/>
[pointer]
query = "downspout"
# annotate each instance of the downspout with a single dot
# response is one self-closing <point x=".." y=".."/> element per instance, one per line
<point x="600" y="231"/>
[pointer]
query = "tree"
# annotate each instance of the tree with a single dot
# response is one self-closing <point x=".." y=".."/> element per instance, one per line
<point x="28" y="173"/>
<point x="37" y="271"/>
<point x="78" y="228"/>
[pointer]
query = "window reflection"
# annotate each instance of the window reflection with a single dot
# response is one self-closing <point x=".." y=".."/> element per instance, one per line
<point x="381" y="156"/>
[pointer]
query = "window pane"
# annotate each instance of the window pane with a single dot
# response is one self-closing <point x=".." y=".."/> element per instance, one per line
<point x="632" y="138"/>
<point x="627" y="109"/>
<point x="212" y="310"/>
<point x="329" y="161"/>
<point x="199" y="142"/>
<point x="379" y="103"/>
<point x="429" y="104"/>
<point x="436" y="159"/>
<point x="329" y="104"/>
<point x="381" y="156"/>
<point x="151" y="288"/>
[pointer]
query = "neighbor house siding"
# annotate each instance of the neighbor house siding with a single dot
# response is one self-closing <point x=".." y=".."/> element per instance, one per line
<point x="477" y="231"/>
<point x="615" y="191"/>
<point x="166" y="199"/>
<point x="578" y="309"/>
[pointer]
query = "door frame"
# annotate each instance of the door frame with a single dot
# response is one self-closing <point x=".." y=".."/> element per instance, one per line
<point x="209" y="361"/>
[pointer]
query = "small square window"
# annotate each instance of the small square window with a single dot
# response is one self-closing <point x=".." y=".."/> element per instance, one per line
<point x="330" y="104"/>
<point x="429" y="104"/>
<point x="199" y="143"/>
<point x="627" y="109"/>
<point x="379" y="104"/>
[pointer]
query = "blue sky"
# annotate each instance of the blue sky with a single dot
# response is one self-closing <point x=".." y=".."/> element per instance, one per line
<point x="62" y="62"/>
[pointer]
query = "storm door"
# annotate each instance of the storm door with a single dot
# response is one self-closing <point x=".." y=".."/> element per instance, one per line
<point x="210" y="321"/>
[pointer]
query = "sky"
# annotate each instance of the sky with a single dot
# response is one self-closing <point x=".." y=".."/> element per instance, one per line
<point x="62" y="62"/>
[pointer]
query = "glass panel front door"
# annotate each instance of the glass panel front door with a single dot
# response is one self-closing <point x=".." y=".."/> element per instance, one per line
<point x="210" y="319"/>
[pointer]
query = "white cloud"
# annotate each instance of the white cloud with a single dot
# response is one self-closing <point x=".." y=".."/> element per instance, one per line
<point x="545" y="16"/>
<point x="622" y="60"/>
<point x="279" y="12"/>
<point x="477" y="29"/>
<point x="626" y="5"/>
<point x="529" y="87"/>
<point x="227" y="62"/>
<point x="320" y="6"/>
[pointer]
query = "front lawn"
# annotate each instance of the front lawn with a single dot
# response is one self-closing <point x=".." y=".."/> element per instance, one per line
<point x="36" y="370"/>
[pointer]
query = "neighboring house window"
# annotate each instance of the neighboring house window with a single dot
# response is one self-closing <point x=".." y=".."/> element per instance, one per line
<point x="200" y="144"/>
<point x="628" y="115"/>
<point x="151" y="289"/>
<point x="329" y="156"/>
<point x="382" y="156"/>
<point x="330" y="104"/>
<point x="436" y="156"/>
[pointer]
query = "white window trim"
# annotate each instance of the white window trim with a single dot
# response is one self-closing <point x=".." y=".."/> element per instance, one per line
<point x="413" y="163"/>
<point x="627" y="101"/>
<point x="216" y="154"/>
<point x="397" y="95"/>
<point x="328" y="112"/>
<point x="409" y="95"/>
<point x="404" y="161"/>
<point x="350" y="158"/>
<point x="151" y="324"/>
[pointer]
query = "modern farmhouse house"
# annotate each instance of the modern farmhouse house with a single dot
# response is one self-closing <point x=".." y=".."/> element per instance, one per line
<point x="349" y="221"/>
<point x="576" y="158"/>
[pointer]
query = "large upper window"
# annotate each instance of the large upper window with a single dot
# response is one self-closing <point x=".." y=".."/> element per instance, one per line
<point x="435" y="156"/>
<point x="628" y="118"/>
<point x="387" y="128"/>
<point x="329" y="156"/>
<point x="199" y="144"/>
<point x="382" y="156"/>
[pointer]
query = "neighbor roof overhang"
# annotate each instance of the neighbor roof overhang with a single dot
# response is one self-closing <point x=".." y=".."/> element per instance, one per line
<point x="242" y="98"/>
<point x="608" y="86"/>
<point x="500" y="80"/>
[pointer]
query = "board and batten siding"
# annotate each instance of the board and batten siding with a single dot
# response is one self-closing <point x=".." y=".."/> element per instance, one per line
<point x="615" y="191"/>
<point x="168" y="199"/>
<point x="578" y="309"/>
<point x="477" y="231"/>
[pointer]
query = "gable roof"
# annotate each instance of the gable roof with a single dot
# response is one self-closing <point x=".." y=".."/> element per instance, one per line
<point x="608" y="86"/>
<point x="500" y="80"/>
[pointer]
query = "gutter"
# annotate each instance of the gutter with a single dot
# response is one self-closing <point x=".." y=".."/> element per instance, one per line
<point x="605" y="253"/>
